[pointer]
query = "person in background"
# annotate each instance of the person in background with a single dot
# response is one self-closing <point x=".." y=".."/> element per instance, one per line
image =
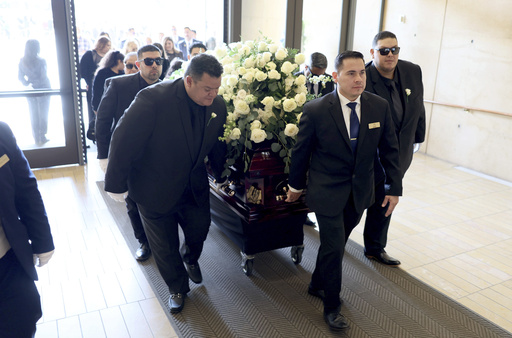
<point x="32" y="72"/>
<point x="400" y="83"/>
<point x="175" y="37"/>
<point x="185" y="44"/>
<point x="175" y="65"/>
<point x="88" y="65"/>
<point x="119" y="94"/>
<point x="196" y="49"/>
<point x="157" y="157"/>
<point x="166" y="63"/>
<point x="25" y="240"/>
<point x="130" y="66"/>
<point x="339" y="136"/>
<point x="170" y="49"/>
<point x="316" y="65"/>
<point x="111" y="65"/>
<point x="131" y="46"/>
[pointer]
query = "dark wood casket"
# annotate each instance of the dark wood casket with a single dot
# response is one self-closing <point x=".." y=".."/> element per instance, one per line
<point x="251" y="211"/>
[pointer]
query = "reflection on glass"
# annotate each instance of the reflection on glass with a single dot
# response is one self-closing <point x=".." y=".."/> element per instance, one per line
<point x="32" y="74"/>
<point x="28" y="31"/>
<point x="321" y="33"/>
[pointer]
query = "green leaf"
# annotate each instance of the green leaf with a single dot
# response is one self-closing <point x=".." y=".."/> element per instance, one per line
<point x="226" y="173"/>
<point x="283" y="153"/>
<point x="230" y="161"/>
<point x="275" y="147"/>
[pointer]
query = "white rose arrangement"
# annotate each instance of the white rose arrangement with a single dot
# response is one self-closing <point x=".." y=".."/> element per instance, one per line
<point x="264" y="99"/>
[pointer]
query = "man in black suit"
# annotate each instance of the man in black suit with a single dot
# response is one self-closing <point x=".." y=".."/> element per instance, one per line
<point x="185" y="44"/>
<point x="25" y="240"/>
<point x="316" y="66"/>
<point x="119" y="94"/>
<point x="339" y="136"/>
<point x="400" y="83"/>
<point x="157" y="154"/>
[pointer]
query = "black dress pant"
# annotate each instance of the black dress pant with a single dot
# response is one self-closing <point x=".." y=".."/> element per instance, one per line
<point x="20" y="304"/>
<point x="135" y="220"/>
<point x="163" y="236"/>
<point x="376" y="225"/>
<point x="334" y="232"/>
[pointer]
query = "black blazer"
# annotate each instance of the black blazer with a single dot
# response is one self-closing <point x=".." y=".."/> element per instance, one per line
<point x="119" y="93"/>
<point x="22" y="211"/>
<point x="323" y="160"/>
<point x="151" y="148"/>
<point x="412" y="129"/>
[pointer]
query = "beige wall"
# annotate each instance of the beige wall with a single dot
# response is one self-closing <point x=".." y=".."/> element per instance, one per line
<point x="464" y="49"/>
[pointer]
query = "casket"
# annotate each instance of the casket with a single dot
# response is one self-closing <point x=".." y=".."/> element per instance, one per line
<point x="251" y="211"/>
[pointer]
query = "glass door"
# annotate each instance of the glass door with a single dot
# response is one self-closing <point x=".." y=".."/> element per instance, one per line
<point x="38" y="88"/>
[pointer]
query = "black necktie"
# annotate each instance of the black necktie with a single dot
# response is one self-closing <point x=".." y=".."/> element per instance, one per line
<point x="397" y="103"/>
<point x="197" y="119"/>
<point x="354" y="126"/>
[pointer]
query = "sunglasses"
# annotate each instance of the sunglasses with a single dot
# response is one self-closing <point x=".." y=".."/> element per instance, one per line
<point x="385" y="51"/>
<point x="131" y="65"/>
<point x="149" y="61"/>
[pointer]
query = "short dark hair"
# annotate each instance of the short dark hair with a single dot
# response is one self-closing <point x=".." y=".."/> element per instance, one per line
<point x="381" y="36"/>
<point x="317" y="60"/>
<point x="203" y="63"/>
<point x="147" y="48"/>
<point x="110" y="59"/>
<point x="197" y="45"/>
<point x="349" y="54"/>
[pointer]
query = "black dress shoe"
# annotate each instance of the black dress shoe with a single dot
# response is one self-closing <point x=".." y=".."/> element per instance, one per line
<point x="316" y="293"/>
<point x="177" y="302"/>
<point x="383" y="258"/>
<point x="336" y="321"/>
<point x="194" y="273"/>
<point x="143" y="252"/>
<point x="309" y="222"/>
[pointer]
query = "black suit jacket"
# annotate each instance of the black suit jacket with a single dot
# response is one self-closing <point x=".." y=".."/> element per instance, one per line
<point x="412" y="129"/>
<point x="119" y="93"/>
<point x="150" y="153"/>
<point x="323" y="160"/>
<point x="22" y="211"/>
<point x="182" y="45"/>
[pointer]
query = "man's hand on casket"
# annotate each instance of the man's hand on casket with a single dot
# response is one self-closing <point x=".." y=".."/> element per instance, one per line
<point x="293" y="194"/>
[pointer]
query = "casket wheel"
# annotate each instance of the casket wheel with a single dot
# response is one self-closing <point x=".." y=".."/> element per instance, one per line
<point x="247" y="267"/>
<point x="297" y="254"/>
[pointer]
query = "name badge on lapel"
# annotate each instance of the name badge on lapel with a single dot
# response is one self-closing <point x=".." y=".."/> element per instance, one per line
<point x="3" y="160"/>
<point x="373" y="125"/>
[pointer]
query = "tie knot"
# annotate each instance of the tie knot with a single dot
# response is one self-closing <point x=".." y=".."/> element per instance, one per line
<point x="352" y="105"/>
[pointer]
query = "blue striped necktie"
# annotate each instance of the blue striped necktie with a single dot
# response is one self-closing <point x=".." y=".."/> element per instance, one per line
<point x="354" y="126"/>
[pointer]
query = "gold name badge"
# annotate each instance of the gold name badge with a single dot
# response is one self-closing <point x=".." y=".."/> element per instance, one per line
<point x="373" y="125"/>
<point x="3" y="160"/>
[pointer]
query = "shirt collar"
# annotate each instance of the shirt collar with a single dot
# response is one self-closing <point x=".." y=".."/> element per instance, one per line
<point x="344" y="100"/>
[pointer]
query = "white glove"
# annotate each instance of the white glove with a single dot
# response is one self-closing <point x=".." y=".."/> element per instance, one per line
<point x="416" y="147"/>
<point x="42" y="258"/>
<point x="118" y="197"/>
<point x="103" y="164"/>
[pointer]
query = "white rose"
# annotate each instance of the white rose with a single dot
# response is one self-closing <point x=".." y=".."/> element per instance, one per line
<point x="273" y="48"/>
<point x="268" y="101"/>
<point x="271" y="65"/>
<point x="281" y="54"/>
<point x="301" y="89"/>
<point x="220" y="53"/>
<point x="250" y="98"/>
<point x="249" y="62"/>
<point x="249" y="75"/>
<point x="258" y="135"/>
<point x="221" y="91"/>
<point x="300" y="58"/>
<point x="227" y="97"/>
<point x="245" y="50"/>
<point x="289" y="81"/>
<point x="226" y="60"/>
<point x="289" y="105"/>
<point x="287" y="67"/>
<point x="256" y="124"/>
<point x="274" y="75"/>
<point x="232" y="81"/>
<point x="235" y="134"/>
<point x="241" y="107"/>
<point x="249" y="43"/>
<point x="300" y="80"/>
<point x="267" y="56"/>
<point x="291" y="130"/>
<point x="242" y="70"/>
<point x="262" y="46"/>
<point x="231" y="117"/>
<point x="241" y="94"/>
<point x="300" y="99"/>
<point x="260" y="76"/>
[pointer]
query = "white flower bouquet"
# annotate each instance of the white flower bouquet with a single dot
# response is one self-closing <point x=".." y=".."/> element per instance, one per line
<point x="264" y="99"/>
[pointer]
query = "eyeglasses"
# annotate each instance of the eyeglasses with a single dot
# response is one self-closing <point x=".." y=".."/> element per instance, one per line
<point x="385" y="51"/>
<point x="149" y="61"/>
<point x="131" y="65"/>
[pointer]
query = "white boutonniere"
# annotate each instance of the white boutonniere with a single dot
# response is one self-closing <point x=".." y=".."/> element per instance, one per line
<point x="407" y="92"/>
<point x="211" y="117"/>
